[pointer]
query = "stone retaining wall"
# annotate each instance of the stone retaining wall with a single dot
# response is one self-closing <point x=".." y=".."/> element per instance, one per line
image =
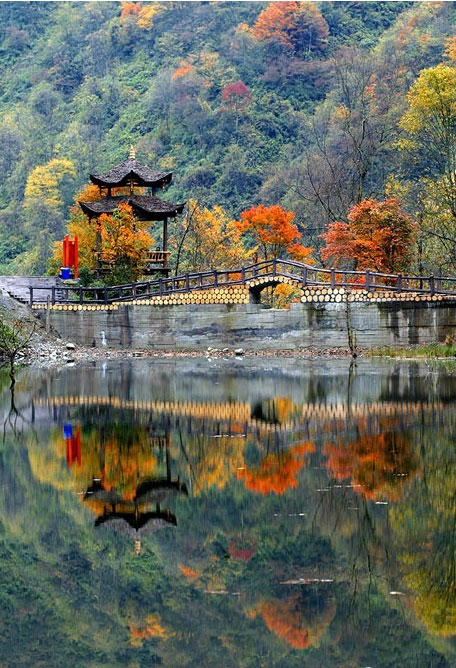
<point x="253" y="327"/>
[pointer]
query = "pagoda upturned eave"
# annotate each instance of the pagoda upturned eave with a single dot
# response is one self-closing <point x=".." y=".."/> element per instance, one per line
<point x="133" y="525"/>
<point x="130" y="171"/>
<point x="144" y="207"/>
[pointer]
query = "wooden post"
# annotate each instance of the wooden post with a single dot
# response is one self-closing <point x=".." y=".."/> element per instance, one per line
<point x="160" y="287"/>
<point x="81" y="295"/>
<point x="243" y="275"/>
<point x="165" y="234"/>
<point x="47" y="325"/>
<point x="75" y="247"/>
<point x="31" y="295"/>
<point x="187" y="282"/>
<point x="304" y="277"/>
<point x="133" y="290"/>
<point x="53" y="294"/>
<point x="368" y="280"/>
<point x="399" y="283"/>
<point x="431" y="285"/>
<point x="105" y="294"/>
<point x="98" y="245"/>
<point x="333" y="278"/>
<point x="274" y="266"/>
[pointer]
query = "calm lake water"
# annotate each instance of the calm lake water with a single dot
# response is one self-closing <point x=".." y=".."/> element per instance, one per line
<point x="229" y="513"/>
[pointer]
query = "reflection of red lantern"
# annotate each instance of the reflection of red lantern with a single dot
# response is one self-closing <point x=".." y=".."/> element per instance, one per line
<point x="73" y="447"/>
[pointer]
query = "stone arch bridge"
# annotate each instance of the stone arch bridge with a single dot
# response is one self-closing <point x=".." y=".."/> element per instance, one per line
<point x="245" y="285"/>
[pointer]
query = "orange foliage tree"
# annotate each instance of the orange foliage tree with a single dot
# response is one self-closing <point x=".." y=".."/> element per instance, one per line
<point x="125" y="240"/>
<point x="130" y="10"/>
<point x="183" y="69"/>
<point x="378" y="236"/>
<point x="292" y="621"/>
<point x="118" y="457"/>
<point x="292" y="25"/>
<point x="273" y="232"/>
<point x="152" y="627"/>
<point x="277" y="472"/>
<point x="377" y="466"/>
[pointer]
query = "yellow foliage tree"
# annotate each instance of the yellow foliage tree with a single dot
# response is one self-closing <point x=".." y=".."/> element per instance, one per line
<point x="125" y="240"/>
<point x="209" y="240"/>
<point x="429" y="143"/>
<point x="149" y="13"/>
<point x="152" y="627"/>
<point x="44" y="181"/>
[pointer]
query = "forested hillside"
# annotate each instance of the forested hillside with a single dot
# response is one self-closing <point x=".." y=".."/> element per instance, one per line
<point x="306" y="105"/>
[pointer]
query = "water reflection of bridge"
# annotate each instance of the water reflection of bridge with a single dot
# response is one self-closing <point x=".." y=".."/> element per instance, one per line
<point x="242" y="417"/>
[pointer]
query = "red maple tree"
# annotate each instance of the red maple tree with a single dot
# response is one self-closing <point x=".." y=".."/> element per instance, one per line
<point x="236" y="95"/>
<point x="378" y="236"/>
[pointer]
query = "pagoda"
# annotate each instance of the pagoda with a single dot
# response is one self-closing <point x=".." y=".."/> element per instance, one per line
<point x="140" y="514"/>
<point x="129" y="175"/>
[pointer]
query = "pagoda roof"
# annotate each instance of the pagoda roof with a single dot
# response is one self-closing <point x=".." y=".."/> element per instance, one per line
<point x="132" y="170"/>
<point x="144" y="207"/>
<point x="136" y="526"/>
<point x="159" y="490"/>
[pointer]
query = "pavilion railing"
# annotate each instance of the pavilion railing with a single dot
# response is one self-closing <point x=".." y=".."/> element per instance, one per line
<point x="302" y="274"/>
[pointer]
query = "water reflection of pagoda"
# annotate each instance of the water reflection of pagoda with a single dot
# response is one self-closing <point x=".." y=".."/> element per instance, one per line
<point x="126" y="177"/>
<point x="143" y="514"/>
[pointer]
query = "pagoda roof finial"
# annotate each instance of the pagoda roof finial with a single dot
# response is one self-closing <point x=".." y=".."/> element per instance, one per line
<point x="132" y="155"/>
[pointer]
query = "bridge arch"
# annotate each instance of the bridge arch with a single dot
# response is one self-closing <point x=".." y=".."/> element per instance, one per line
<point x="257" y="285"/>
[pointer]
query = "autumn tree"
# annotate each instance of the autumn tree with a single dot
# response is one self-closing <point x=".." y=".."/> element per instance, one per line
<point x="273" y="232"/>
<point x="430" y="124"/>
<point x="208" y="239"/>
<point x="125" y="240"/>
<point x="423" y="528"/>
<point x="79" y="225"/>
<point x="378" y="236"/>
<point x="293" y="25"/>
<point x="378" y="466"/>
<point x="277" y="472"/>
<point x="130" y="10"/>
<point x="349" y="140"/>
<point x="429" y="161"/>
<point x="236" y="97"/>
<point x="46" y="192"/>
<point x="183" y="69"/>
<point x="298" y="620"/>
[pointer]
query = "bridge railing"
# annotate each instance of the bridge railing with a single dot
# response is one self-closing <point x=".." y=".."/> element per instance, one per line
<point x="305" y="275"/>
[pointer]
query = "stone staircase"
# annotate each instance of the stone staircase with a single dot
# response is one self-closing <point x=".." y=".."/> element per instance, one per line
<point x="18" y="287"/>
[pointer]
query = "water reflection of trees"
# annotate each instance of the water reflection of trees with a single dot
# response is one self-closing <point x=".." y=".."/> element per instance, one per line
<point x="378" y="465"/>
<point x="424" y="527"/>
<point x="241" y="477"/>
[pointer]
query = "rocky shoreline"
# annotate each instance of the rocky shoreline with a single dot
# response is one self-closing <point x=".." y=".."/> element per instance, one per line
<point x="56" y="353"/>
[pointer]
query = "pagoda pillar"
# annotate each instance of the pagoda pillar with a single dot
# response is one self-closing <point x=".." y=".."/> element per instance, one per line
<point x="98" y="245"/>
<point x="165" y="234"/>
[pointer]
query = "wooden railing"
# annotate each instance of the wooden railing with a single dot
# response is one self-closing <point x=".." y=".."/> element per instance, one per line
<point x="158" y="257"/>
<point x="304" y="275"/>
